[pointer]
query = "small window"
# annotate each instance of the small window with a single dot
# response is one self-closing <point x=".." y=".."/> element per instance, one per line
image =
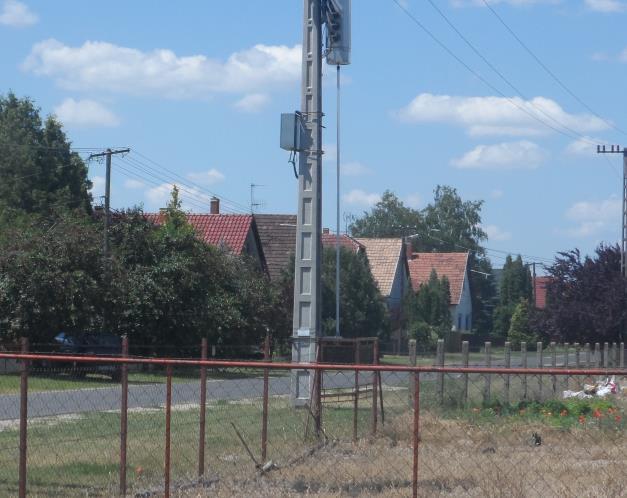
<point x="467" y="322"/>
<point x="459" y="321"/>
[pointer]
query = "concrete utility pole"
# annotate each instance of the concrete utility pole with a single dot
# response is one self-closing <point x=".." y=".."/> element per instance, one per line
<point x="107" y="201"/>
<point x="307" y="288"/>
<point x="617" y="150"/>
<point x="107" y="219"/>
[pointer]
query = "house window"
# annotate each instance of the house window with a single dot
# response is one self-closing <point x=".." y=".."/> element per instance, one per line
<point x="459" y="321"/>
<point x="467" y="322"/>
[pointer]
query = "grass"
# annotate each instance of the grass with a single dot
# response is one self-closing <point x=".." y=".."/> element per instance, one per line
<point x="465" y="450"/>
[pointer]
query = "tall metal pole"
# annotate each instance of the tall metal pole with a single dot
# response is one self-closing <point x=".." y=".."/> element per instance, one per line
<point x="107" y="207"/>
<point x="307" y="289"/>
<point x="337" y="214"/>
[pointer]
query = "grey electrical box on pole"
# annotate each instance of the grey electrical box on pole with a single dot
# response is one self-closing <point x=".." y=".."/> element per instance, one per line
<point x="307" y="289"/>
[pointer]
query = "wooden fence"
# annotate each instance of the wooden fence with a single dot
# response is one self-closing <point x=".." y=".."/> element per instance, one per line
<point x="529" y="386"/>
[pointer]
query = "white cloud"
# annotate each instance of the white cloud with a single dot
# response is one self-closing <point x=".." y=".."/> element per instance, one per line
<point x="17" y="14"/>
<point x="357" y="197"/>
<point x="584" y="146"/>
<point x="496" y="233"/>
<point x="594" y="217"/>
<point x="209" y="177"/>
<point x="497" y="193"/>
<point x="503" y="156"/>
<point x="101" y="66"/>
<point x="191" y="198"/>
<point x="413" y="200"/>
<point x="253" y="102"/>
<point x="481" y="116"/>
<point x="354" y="168"/>
<point x="133" y="184"/>
<point x="85" y="113"/>
<point x="97" y="187"/>
<point x="606" y="5"/>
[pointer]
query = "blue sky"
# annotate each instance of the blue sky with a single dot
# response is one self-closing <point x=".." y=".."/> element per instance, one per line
<point x="197" y="87"/>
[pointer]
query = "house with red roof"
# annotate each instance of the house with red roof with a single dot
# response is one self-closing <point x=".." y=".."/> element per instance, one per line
<point x="388" y="265"/>
<point x="236" y="233"/>
<point x="453" y="266"/>
<point x="346" y="241"/>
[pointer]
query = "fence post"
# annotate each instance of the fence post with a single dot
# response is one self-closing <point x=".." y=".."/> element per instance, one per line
<point x="168" y="416"/>
<point x="553" y="365"/>
<point x="412" y="363"/>
<point x="465" y="364"/>
<point x="488" y="377"/>
<point x="597" y="355"/>
<point x="203" y="409"/>
<point x="614" y="356"/>
<point x="566" y="362"/>
<point x="374" y="387"/>
<point x="508" y="364"/>
<point x="523" y="361"/>
<point x="577" y="355"/>
<point x="621" y="353"/>
<point x="586" y="348"/>
<point x="23" y="419"/>
<point x="123" y="416"/>
<point x="356" y="400"/>
<point x="416" y="432"/>
<point x="606" y="355"/>
<point x="264" y="417"/>
<point x="539" y="364"/>
<point x="440" y="363"/>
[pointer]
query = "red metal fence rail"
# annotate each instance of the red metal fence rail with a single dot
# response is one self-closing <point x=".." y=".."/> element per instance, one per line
<point x="268" y="367"/>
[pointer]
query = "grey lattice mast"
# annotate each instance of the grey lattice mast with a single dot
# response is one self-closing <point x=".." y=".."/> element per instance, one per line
<point x="302" y="132"/>
<point x="615" y="149"/>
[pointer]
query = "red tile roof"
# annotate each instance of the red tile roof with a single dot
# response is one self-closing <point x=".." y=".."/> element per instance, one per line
<point x="540" y="291"/>
<point x="217" y="229"/>
<point x="346" y="241"/>
<point x="451" y="265"/>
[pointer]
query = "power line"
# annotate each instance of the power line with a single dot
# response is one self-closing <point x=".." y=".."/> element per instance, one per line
<point x="195" y="199"/>
<point x="548" y="71"/>
<point x="243" y="207"/>
<point x="575" y="133"/>
<point x="481" y="78"/>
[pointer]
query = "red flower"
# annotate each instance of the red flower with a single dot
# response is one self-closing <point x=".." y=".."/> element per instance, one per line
<point x="582" y="419"/>
<point x="617" y="418"/>
<point x="597" y="413"/>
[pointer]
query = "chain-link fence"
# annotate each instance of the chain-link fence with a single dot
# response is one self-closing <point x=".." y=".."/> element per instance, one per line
<point x="89" y="426"/>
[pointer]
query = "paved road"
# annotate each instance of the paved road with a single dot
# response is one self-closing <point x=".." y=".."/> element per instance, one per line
<point x="54" y="403"/>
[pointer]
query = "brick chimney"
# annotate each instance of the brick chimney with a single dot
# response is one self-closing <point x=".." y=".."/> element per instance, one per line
<point x="215" y="205"/>
<point x="325" y="230"/>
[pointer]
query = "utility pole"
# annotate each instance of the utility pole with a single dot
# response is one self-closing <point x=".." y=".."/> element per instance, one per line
<point x="307" y="288"/>
<point x="617" y="150"/>
<point x="107" y="218"/>
<point x="623" y="253"/>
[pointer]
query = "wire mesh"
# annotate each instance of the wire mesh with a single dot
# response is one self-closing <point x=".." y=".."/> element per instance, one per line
<point x="480" y="434"/>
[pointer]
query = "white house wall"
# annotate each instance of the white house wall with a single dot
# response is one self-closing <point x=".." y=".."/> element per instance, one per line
<point x="461" y="314"/>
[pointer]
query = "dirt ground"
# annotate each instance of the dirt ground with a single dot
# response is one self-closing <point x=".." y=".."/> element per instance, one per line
<point x="457" y="458"/>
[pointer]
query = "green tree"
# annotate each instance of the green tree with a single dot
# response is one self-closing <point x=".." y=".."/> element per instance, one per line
<point x="515" y="285"/>
<point x="448" y="224"/>
<point x="520" y="329"/>
<point x="429" y="313"/>
<point x="388" y="218"/>
<point x="39" y="173"/>
<point x="362" y="309"/>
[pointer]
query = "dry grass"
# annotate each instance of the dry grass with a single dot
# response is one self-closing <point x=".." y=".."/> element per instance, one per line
<point x="457" y="458"/>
